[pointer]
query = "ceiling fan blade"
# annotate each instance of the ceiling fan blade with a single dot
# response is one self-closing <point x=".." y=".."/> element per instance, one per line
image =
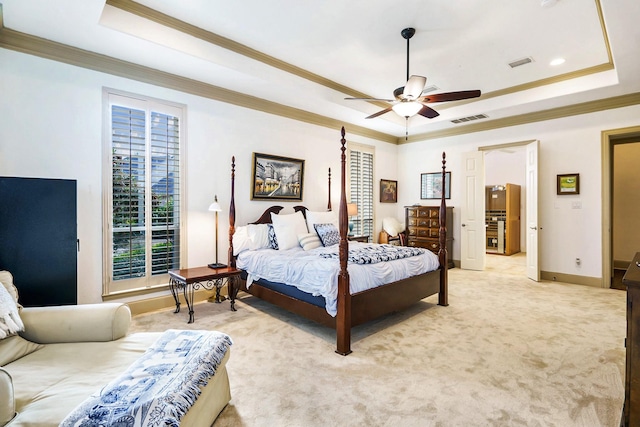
<point x="369" y="99"/>
<point x="413" y="88"/>
<point x="428" y="112"/>
<point x="450" y="96"/>
<point x="379" y="113"/>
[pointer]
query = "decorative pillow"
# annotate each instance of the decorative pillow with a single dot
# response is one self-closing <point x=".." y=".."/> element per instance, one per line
<point x="309" y="241"/>
<point x="6" y="278"/>
<point x="10" y="322"/>
<point x="287" y="228"/>
<point x="241" y="240"/>
<point x="15" y="347"/>
<point x="314" y="218"/>
<point x="273" y="240"/>
<point x="259" y="235"/>
<point x="328" y="234"/>
<point x="249" y="237"/>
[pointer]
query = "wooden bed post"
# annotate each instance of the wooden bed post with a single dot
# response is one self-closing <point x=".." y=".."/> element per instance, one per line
<point x="329" y="196"/>
<point x="443" y="295"/>
<point x="232" y="213"/>
<point x="343" y="317"/>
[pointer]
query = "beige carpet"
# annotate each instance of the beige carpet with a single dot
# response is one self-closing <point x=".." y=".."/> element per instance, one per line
<point x="506" y="352"/>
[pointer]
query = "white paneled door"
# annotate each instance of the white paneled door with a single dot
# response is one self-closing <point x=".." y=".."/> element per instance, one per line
<point x="473" y="233"/>
<point x="533" y="268"/>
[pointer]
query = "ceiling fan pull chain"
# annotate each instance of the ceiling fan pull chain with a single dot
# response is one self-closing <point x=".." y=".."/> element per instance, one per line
<point x="406" y="127"/>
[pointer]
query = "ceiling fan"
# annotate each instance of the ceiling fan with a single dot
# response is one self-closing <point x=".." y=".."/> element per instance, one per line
<point x="409" y="99"/>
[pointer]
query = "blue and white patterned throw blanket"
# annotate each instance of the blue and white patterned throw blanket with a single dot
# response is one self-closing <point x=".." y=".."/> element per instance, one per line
<point x="160" y="387"/>
<point x="376" y="253"/>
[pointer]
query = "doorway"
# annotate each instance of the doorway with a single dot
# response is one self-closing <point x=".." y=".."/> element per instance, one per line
<point x="491" y="165"/>
<point x="620" y="202"/>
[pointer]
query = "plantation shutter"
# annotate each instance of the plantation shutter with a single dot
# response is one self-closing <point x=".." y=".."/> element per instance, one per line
<point x="128" y="188"/>
<point x="144" y="239"/>
<point x="165" y="195"/>
<point x="361" y="187"/>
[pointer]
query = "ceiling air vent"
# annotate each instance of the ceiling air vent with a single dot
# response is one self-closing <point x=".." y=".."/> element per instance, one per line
<point x="520" y="62"/>
<point x="430" y="89"/>
<point x="469" y="118"/>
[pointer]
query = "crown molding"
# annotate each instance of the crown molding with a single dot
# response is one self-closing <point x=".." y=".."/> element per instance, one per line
<point x="226" y="43"/>
<point x="48" y="49"/>
<point x="32" y="45"/>
<point x="537" y="116"/>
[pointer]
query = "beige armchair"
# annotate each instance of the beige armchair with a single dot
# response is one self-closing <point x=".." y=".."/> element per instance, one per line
<point x="67" y="353"/>
<point x="392" y="232"/>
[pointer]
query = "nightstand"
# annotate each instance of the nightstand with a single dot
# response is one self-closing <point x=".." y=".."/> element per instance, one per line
<point x="363" y="239"/>
<point x="192" y="279"/>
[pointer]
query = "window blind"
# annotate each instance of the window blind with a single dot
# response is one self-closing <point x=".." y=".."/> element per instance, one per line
<point x="361" y="187"/>
<point x="144" y="227"/>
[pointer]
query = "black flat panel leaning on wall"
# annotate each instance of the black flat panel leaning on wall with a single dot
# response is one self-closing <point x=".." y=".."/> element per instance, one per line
<point x="38" y="238"/>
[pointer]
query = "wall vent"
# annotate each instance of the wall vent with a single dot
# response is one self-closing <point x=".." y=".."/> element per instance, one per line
<point x="469" y="118"/>
<point x="520" y="62"/>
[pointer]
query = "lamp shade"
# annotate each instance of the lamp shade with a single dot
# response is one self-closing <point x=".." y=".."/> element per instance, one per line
<point x="352" y="209"/>
<point x="407" y="108"/>
<point x="215" y="206"/>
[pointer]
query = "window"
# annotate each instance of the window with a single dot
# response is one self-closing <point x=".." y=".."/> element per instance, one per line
<point x="361" y="187"/>
<point x="143" y="208"/>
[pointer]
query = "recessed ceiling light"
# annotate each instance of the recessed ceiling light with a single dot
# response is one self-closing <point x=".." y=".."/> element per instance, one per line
<point x="557" y="61"/>
<point x="548" y="3"/>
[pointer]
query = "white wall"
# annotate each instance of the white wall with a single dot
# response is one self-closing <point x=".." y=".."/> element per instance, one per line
<point x="567" y="145"/>
<point x="51" y="127"/>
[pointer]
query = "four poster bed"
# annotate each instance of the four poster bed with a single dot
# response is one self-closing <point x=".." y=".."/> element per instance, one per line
<point x="351" y="304"/>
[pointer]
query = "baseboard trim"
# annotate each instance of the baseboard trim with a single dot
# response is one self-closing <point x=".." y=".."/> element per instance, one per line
<point x="595" y="282"/>
<point x="167" y="301"/>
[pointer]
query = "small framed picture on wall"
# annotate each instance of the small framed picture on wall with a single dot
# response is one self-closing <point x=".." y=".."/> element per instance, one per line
<point x="568" y="184"/>
<point x="388" y="191"/>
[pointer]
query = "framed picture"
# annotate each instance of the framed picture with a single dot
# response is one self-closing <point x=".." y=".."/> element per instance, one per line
<point x="431" y="185"/>
<point x="388" y="191"/>
<point x="568" y="184"/>
<point x="276" y="178"/>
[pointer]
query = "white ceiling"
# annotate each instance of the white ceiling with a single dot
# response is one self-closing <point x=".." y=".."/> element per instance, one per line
<point x="458" y="45"/>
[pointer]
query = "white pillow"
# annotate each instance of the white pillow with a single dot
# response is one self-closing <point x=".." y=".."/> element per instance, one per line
<point x="241" y="240"/>
<point x="313" y="218"/>
<point x="10" y="322"/>
<point x="392" y="226"/>
<point x="287" y="228"/>
<point x="259" y="235"/>
<point x="309" y="241"/>
<point x="250" y="237"/>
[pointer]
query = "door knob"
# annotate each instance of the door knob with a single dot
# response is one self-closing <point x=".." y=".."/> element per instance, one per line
<point x="464" y="225"/>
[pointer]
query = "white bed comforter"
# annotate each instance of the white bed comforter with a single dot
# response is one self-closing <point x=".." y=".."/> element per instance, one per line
<point x="315" y="275"/>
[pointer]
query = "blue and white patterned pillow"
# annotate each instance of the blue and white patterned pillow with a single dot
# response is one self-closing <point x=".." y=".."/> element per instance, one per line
<point x="273" y="242"/>
<point x="328" y="233"/>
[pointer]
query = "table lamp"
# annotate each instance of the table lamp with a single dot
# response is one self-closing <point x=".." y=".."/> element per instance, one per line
<point x="215" y="207"/>
<point x="352" y="210"/>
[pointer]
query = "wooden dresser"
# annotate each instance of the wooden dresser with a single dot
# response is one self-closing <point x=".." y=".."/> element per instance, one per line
<point x="423" y="228"/>
<point x="631" y="411"/>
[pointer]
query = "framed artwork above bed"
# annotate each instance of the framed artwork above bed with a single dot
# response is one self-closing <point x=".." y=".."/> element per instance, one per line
<point x="276" y="177"/>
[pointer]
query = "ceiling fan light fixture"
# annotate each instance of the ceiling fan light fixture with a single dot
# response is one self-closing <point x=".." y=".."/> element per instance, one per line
<point x="407" y="108"/>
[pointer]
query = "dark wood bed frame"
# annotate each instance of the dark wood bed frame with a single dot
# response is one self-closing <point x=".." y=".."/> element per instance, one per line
<point x="363" y="306"/>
